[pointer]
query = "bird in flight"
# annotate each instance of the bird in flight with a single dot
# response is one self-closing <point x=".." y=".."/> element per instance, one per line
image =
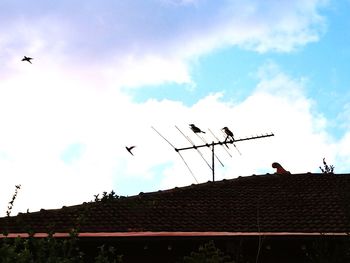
<point x="229" y="134"/>
<point x="130" y="148"/>
<point x="27" y="59"/>
<point x="195" y="129"/>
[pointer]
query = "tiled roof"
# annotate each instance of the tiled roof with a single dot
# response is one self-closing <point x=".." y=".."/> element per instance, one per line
<point x="293" y="203"/>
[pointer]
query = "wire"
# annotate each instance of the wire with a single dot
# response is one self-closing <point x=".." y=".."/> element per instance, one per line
<point x="194" y="147"/>
<point x="260" y="238"/>
<point x="209" y="144"/>
<point x="177" y="152"/>
<point x="163" y="137"/>
<point x="188" y="167"/>
<point x="221" y="144"/>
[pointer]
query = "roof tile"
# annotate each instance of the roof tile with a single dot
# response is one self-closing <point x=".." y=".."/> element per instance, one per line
<point x="269" y="203"/>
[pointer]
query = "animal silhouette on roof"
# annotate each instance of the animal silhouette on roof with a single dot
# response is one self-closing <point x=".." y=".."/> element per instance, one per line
<point x="279" y="169"/>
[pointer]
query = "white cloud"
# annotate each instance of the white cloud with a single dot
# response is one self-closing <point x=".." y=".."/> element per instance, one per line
<point x="341" y="161"/>
<point x="41" y="123"/>
<point x="150" y="70"/>
<point x="278" y="105"/>
<point x="151" y="40"/>
<point x="84" y="53"/>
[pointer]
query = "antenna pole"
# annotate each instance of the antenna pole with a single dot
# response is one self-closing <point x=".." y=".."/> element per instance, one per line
<point x="220" y="143"/>
<point x="225" y="142"/>
<point x="213" y="160"/>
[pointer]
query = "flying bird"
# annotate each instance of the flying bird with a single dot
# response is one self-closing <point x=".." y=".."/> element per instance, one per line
<point x="130" y="148"/>
<point x="27" y="59"/>
<point x="195" y="129"/>
<point x="228" y="133"/>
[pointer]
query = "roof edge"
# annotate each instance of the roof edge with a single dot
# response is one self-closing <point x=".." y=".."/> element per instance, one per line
<point x="174" y="234"/>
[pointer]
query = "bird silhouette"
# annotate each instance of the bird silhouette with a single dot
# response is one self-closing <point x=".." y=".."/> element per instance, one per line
<point x="27" y="59"/>
<point x="130" y="148"/>
<point x="228" y="133"/>
<point x="195" y="129"/>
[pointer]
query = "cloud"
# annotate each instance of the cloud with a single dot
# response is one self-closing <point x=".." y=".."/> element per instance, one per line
<point x="342" y="158"/>
<point x="72" y="153"/>
<point x="90" y="127"/>
<point x="138" y="38"/>
<point x="85" y="52"/>
<point x="278" y="105"/>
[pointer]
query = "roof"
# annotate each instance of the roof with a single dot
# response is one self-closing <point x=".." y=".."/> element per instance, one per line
<point x="273" y="203"/>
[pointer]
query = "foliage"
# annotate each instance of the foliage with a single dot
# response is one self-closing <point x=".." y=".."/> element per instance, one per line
<point x="10" y="206"/>
<point x="107" y="255"/>
<point x="40" y="250"/>
<point x="106" y="197"/>
<point x="328" y="169"/>
<point x="51" y="249"/>
<point x="207" y="254"/>
<point x="329" y="250"/>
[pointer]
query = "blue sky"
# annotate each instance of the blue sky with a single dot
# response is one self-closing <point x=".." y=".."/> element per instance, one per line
<point x="104" y="73"/>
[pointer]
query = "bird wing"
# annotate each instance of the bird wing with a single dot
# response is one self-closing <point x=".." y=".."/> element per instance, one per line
<point x="130" y="148"/>
<point x="27" y="59"/>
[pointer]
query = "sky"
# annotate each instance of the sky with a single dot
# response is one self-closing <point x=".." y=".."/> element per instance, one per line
<point x="105" y="72"/>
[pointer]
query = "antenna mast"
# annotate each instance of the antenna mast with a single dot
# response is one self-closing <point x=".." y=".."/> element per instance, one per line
<point x="228" y="140"/>
<point x="213" y="144"/>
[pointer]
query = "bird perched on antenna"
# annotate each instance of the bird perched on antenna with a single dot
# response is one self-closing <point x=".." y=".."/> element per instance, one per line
<point x="130" y="148"/>
<point x="195" y="129"/>
<point x="25" y="58"/>
<point x="229" y="134"/>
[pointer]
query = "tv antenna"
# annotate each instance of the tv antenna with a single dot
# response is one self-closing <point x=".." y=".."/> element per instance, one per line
<point x="223" y="143"/>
